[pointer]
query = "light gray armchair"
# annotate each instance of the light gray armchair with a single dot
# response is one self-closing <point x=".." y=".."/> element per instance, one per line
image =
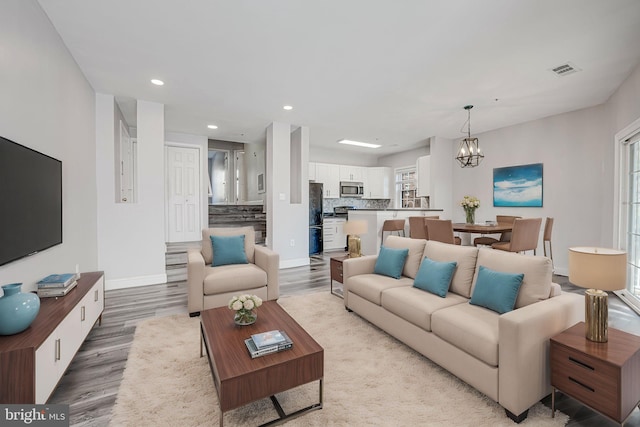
<point x="210" y="287"/>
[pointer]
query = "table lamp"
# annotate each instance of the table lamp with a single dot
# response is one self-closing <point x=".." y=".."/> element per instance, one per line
<point x="353" y="229"/>
<point x="598" y="270"/>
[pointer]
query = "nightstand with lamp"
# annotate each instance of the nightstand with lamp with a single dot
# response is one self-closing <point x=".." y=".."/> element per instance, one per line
<point x="598" y="366"/>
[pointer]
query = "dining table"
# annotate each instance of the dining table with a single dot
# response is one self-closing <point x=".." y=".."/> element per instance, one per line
<point x="463" y="227"/>
<point x="497" y="228"/>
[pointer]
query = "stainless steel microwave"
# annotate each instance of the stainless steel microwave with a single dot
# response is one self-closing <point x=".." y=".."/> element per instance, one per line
<point x="351" y="189"/>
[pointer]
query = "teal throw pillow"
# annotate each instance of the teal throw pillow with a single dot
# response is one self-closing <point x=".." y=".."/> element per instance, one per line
<point x="495" y="290"/>
<point x="390" y="262"/>
<point x="434" y="276"/>
<point x="228" y="250"/>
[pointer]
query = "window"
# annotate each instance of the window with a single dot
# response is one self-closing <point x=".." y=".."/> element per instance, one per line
<point x="629" y="216"/>
<point x="406" y="183"/>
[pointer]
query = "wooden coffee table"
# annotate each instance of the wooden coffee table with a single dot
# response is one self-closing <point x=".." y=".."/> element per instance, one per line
<point x="239" y="379"/>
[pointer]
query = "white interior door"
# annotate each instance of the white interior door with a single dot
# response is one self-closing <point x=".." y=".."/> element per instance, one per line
<point x="183" y="194"/>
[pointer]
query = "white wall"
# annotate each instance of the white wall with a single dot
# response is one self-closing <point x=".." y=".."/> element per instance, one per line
<point x="575" y="149"/>
<point x="441" y="175"/>
<point x="131" y="235"/>
<point x="287" y="222"/>
<point x="48" y="105"/>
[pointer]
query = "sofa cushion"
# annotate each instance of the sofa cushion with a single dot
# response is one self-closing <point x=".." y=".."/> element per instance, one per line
<point x="371" y="286"/>
<point x="249" y="241"/>
<point x="390" y="262"/>
<point x="415" y="305"/>
<point x="495" y="290"/>
<point x="228" y="250"/>
<point x="470" y="328"/>
<point x="416" y="251"/>
<point x="434" y="276"/>
<point x="537" y="270"/>
<point x="465" y="256"/>
<point x="234" y="277"/>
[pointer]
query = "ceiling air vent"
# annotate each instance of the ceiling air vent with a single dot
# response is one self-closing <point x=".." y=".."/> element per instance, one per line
<point x="565" y="69"/>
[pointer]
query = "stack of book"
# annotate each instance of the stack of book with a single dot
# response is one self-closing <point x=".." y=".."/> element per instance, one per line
<point x="57" y="285"/>
<point x="267" y="343"/>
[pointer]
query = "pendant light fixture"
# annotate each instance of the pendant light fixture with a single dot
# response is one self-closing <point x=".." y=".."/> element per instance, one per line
<point x="469" y="154"/>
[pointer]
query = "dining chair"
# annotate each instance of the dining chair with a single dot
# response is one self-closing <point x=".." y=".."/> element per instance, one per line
<point x="441" y="230"/>
<point x="390" y="226"/>
<point x="548" y="227"/>
<point x="524" y="237"/>
<point x="504" y="237"/>
<point x="418" y="226"/>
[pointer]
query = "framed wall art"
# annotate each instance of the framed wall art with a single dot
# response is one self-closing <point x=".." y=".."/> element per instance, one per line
<point x="519" y="186"/>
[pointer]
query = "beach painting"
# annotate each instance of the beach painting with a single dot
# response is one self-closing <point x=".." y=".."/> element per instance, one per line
<point x="518" y="186"/>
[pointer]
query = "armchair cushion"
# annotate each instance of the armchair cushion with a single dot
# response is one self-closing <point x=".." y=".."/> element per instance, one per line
<point x="228" y="250"/>
<point x="249" y="241"/>
<point x="233" y="278"/>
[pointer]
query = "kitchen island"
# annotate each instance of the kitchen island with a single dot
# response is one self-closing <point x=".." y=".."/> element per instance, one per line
<point x="376" y="217"/>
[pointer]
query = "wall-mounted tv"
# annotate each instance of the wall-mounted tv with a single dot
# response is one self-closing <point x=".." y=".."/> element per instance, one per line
<point x="30" y="201"/>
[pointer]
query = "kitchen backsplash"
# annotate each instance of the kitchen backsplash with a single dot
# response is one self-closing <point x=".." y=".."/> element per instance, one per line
<point x="329" y="204"/>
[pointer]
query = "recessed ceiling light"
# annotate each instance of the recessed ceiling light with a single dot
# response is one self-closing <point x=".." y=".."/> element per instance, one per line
<point x="157" y="82"/>
<point x="358" y="143"/>
<point x="212" y="127"/>
<point x="288" y="107"/>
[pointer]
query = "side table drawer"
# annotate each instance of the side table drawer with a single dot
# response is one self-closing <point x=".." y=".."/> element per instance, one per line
<point x="590" y="380"/>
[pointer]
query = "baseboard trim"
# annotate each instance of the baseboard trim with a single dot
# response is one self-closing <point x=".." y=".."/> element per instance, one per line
<point x="290" y="263"/>
<point x="132" y="282"/>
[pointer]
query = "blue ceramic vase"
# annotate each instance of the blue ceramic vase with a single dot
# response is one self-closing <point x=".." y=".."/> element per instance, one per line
<point x="17" y="309"/>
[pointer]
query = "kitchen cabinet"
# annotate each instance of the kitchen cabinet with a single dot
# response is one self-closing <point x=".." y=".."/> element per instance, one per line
<point x="377" y="183"/>
<point x="333" y="234"/>
<point x="423" y="166"/>
<point x="329" y="176"/>
<point x="352" y="173"/>
<point x="312" y="171"/>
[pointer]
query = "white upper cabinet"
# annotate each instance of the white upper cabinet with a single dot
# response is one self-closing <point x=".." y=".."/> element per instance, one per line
<point x="329" y="176"/>
<point x="423" y="166"/>
<point x="352" y="173"/>
<point x="377" y="183"/>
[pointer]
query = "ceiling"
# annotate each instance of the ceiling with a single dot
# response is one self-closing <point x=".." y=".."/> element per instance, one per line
<point x="388" y="72"/>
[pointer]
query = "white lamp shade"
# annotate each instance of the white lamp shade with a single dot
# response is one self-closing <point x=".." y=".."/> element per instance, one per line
<point x="355" y="227"/>
<point x="598" y="268"/>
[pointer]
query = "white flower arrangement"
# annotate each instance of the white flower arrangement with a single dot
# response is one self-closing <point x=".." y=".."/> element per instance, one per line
<point x="470" y="204"/>
<point x="244" y="306"/>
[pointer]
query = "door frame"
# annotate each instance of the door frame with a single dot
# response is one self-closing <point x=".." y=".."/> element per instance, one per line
<point x="204" y="205"/>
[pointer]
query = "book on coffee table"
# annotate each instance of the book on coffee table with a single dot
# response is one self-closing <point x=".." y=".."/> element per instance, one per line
<point x="268" y="339"/>
<point x="255" y="351"/>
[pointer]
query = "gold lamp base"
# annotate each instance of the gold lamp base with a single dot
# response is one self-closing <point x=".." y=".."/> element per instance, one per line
<point x="355" y="246"/>
<point x="596" y="315"/>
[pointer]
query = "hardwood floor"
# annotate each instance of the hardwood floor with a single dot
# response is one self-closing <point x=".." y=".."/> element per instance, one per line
<point x="91" y="383"/>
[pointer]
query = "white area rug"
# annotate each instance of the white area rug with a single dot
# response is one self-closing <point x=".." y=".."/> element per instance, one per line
<point x="370" y="379"/>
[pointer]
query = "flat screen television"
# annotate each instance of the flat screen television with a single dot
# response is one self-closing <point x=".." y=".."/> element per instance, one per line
<point x="30" y="201"/>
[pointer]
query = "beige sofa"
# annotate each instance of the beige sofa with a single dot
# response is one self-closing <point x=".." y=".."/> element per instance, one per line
<point x="506" y="356"/>
<point x="210" y="287"/>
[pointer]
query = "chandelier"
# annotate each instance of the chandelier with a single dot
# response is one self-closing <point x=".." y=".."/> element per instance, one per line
<point x="469" y="154"/>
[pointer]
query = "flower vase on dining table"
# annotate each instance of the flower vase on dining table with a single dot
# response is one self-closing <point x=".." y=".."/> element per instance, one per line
<point x="471" y="216"/>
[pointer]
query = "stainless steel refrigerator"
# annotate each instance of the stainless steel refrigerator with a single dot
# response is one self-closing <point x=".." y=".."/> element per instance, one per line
<point x="315" y="218"/>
